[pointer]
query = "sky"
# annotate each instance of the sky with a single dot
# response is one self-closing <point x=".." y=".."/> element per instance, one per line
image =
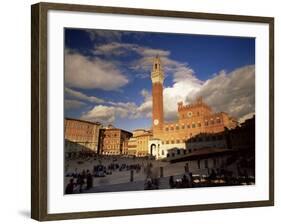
<point x="107" y="74"/>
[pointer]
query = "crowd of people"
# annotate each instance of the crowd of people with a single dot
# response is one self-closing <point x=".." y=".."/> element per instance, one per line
<point x="85" y="177"/>
<point x="215" y="178"/>
<point x="124" y="166"/>
<point x="81" y="181"/>
<point x="184" y="182"/>
<point x="101" y="166"/>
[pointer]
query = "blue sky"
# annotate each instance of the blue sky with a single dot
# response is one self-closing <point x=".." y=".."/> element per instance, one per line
<point x="107" y="74"/>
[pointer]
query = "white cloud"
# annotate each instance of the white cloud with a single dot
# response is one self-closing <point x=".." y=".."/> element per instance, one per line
<point x="179" y="91"/>
<point x="145" y="94"/>
<point x="84" y="72"/>
<point x="143" y="64"/>
<point x="116" y="48"/>
<point x="100" y="113"/>
<point x="246" y="117"/>
<point x="112" y="49"/>
<point x="105" y="114"/>
<point x="233" y="93"/>
<point x="108" y="113"/>
<point x="79" y="95"/>
<point x="73" y="104"/>
<point x="144" y="110"/>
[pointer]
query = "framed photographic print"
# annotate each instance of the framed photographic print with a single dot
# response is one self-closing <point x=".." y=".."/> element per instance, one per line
<point x="138" y="111"/>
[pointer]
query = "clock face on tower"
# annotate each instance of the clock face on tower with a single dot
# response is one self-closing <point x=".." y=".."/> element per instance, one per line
<point x="189" y="114"/>
<point x="156" y="122"/>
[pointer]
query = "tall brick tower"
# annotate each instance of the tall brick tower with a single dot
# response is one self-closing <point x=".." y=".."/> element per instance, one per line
<point x="157" y="78"/>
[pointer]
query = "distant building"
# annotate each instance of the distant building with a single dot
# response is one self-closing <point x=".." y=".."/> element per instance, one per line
<point x="193" y="119"/>
<point x="80" y="136"/>
<point x="138" y="143"/>
<point x="175" y="153"/>
<point x="207" y="140"/>
<point x="232" y="150"/>
<point x="132" y="146"/>
<point x="114" y="141"/>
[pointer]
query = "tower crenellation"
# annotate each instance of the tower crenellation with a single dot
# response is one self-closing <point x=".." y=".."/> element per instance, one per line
<point x="196" y="104"/>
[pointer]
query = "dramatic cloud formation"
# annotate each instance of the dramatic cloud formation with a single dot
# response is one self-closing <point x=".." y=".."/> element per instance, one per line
<point x="142" y="65"/>
<point x="233" y="93"/>
<point x="112" y="110"/>
<point x="185" y="84"/>
<point x="180" y="91"/>
<point x="84" y="72"/>
<point x="81" y="96"/>
<point x="116" y="48"/>
<point x="108" y="114"/>
<point x="105" y="36"/>
<point x="104" y="114"/>
<point x="145" y="108"/>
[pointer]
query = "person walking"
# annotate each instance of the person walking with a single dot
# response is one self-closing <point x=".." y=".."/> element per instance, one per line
<point x="89" y="179"/>
<point x="80" y="182"/>
<point x="171" y="182"/>
<point x="185" y="182"/>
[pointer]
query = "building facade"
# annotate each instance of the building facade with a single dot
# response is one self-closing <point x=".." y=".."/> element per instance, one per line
<point x="193" y="119"/>
<point x="231" y="150"/>
<point x="114" y="141"/>
<point x="132" y="146"/>
<point x="138" y="143"/>
<point x="219" y="140"/>
<point x="80" y="136"/>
